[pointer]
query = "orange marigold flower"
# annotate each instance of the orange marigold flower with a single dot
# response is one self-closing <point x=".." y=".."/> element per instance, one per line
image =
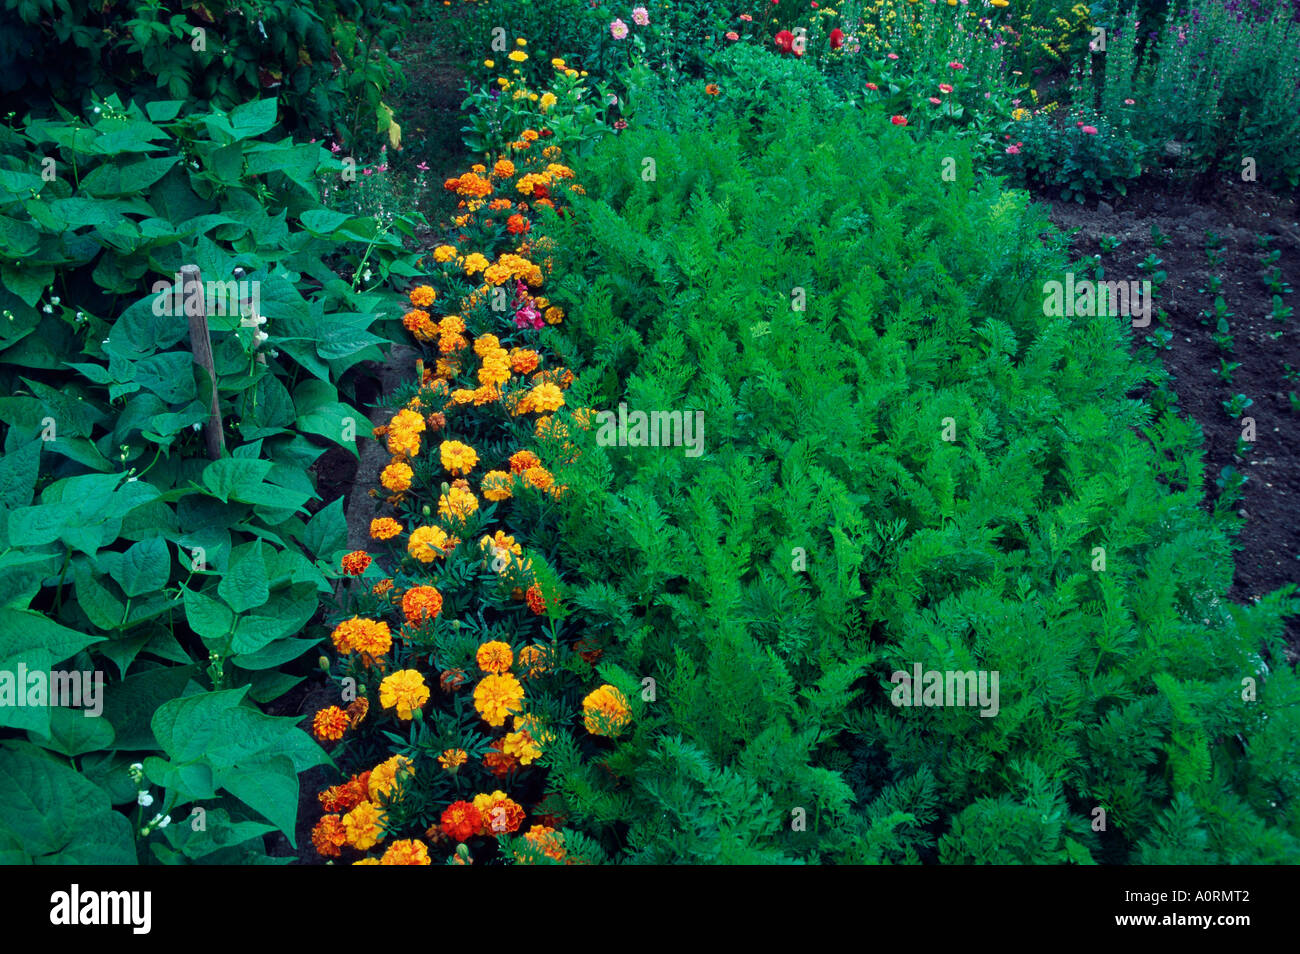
<point x="498" y="813"/>
<point x="329" y="724"/>
<point x="384" y="528"/>
<point x="329" y="836"/>
<point x="404" y="433"/>
<point x="453" y="759"/>
<point x="553" y="315"/>
<point x="461" y="821"/>
<point x="546" y="840"/>
<point x="364" y="826"/>
<point x="355" y="563"/>
<point x="503" y="169"/>
<point x="520" y="461"/>
<point x="605" y="711"/>
<point x="495" y="657"/>
<point x="429" y="543"/>
<point x="498" y="762"/>
<point x="523" y="360"/>
<point x="397" y="477"/>
<point x="408" y="851"/>
<point x="421" y="603"/>
<point x="538" y="477"/>
<point x="384" y="776"/>
<point x="362" y="635"/>
<point x="382" y="587"/>
<point x="534" y="661"/>
<point x="536" y="602"/>
<point x="345" y="797"/>
<point x="712" y="89"/>
<point x="529" y="135"/>
<point x="518" y="225"/>
<point x="546" y="397"/>
<point x="422" y="296"/>
<point x="458" y="458"/>
<point x="498" y="485"/>
<point x="496" y="696"/>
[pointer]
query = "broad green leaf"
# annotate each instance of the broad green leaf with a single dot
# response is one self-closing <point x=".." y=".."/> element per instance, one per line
<point x="73" y="732"/>
<point x="244" y="585"/>
<point x="145" y="568"/>
<point x="269" y="787"/>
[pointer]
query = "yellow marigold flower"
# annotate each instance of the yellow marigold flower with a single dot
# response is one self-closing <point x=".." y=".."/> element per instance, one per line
<point x="462" y="396"/>
<point x="397" y="477"/>
<point x="498" y="485"/>
<point x="384" y="528"/>
<point x="517" y="56"/>
<point x="383" y="777"/>
<point x="429" y="543"/>
<point x="489" y="63"/>
<point x="457" y="458"/>
<point x="453" y="759"/>
<point x="366" y="861"/>
<point x="409" y="851"/>
<point x="605" y="711"/>
<point x="457" y="502"/>
<point x="495" y="657"/>
<point x="405" y="690"/>
<point x="496" y="696"/>
<point x="534" y="661"/>
<point x="522" y="746"/>
<point x="422" y="296"/>
<point x="553" y="315"/>
<point x="329" y="724"/>
<point x="558" y="63"/>
<point x="444" y="253"/>
<point x="474" y="262"/>
<point x="499" y="813"/>
<point x="364" y="826"/>
<point x="546" y="397"/>
<point x="547" y="101"/>
<point x="404" y="432"/>
<point x="363" y="636"/>
<point x="496" y="275"/>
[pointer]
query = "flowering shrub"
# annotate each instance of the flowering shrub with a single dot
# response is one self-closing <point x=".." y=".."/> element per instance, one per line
<point x="1075" y="154"/>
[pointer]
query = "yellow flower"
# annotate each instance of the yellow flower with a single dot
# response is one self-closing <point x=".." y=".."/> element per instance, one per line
<point x="444" y="253"/>
<point x="498" y="485"/>
<point x="458" y="458"/>
<point x="383" y="777"/>
<point x="384" y="528"/>
<point x="457" y="502"/>
<point x="497" y="696"/>
<point x="397" y="477"/>
<point x="547" y="101"/>
<point x="364" y="826"/>
<point x="521" y="41"/>
<point x="429" y="543"/>
<point x="605" y="711"/>
<point x="546" y="397"/>
<point x="522" y="746"/>
<point x="489" y="64"/>
<point x="518" y="56"/>
<point x="404" y="690"/>
<point x="558" y="63"/>
<point x="409" y="851"/>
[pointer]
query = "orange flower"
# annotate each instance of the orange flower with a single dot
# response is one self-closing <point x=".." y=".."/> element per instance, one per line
<point x="329" y="836"/>
<point x="397" y="477"/>
<point x="523" y="360"/>
<point x="409" y="851"/>
<point x="453" y="759"/>
<point x="498" y="485"/>
<point x="345" y="797"/>
<point x="382" y="587"/>
<point x="546" y="840"/>
<point x="422" y="296"/>
<point x="538" y="477"/>
<point x="384" y="528"/>
<point x="495" y="657"/>
<point x="452" y="679"/>
<point x="499" y="762"/>
<point x="429" y="543"/>
<point x="536" y="602"/>
<point x="517" y="225"/>
<point x="712" y="89"/>
<point x="355" y="563"/>
<point x="421" y="603"/>
<point x="404" y="691"/>
<point x="362" y="635"/>
<point x="605" y="711"/>
<point x="498" y="813"/>
<point x="461" y="821"/>
<point x="520" y="461"/>
<point x="458" y="458"/>
<point x="497" y="696"/>
<point x="503" y="169"/>
<point x="329" y="724"/>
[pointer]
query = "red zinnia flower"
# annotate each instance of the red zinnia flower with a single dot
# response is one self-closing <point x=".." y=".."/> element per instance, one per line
<point x="872" y="86"/>
<point x="837" y="38"/>
<point x="898" y="120"/>
<point x="784" y="41"/>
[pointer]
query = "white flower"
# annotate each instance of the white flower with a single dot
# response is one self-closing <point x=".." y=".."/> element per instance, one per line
<point x="144" y="800"/>
<point x="48" y="309"/>
<point x="55" y="299"/>
<point x="166" y="820"/>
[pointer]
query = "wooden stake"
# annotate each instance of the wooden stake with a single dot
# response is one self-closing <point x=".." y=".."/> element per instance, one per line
<point x="201" y="346"/>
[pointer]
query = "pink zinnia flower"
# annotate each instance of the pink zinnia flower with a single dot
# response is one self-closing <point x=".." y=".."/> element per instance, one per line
<point x="747" y="18"/>
<point x="1129" y="102"/>
<point x="935" y="100"/>
<point x="945" y="88"/>
<point x="640" y="16"/>
<point x="618" y="30"/>
<point x="891" y="56"/>
<point x="1089" y="130"/>
<point x="732" y="35"/>
<point x="423" y="167"/>
<point x="954" y="65"/>
<point x="1013" y="150"/>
